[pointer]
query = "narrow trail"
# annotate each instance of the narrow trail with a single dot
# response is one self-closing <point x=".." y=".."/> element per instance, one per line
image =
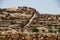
<point x="27" y="28"/>
<point x="30" y="20"/>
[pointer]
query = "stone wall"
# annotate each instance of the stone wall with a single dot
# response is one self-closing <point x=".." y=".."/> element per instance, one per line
<point x="28" y="36"/>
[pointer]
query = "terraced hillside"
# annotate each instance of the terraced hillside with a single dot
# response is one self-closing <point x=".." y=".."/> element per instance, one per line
<point x="21" y="22"/>
<point x="15" y="18"/>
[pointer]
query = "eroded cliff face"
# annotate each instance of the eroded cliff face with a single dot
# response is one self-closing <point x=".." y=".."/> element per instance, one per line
<point x="22" y="22"/>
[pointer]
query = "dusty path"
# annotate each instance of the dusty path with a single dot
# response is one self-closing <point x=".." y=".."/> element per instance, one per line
<point x="27" y="28"/>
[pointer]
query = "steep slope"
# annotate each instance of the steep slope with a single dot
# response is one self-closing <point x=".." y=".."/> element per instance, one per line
<point x="15" y="18"/>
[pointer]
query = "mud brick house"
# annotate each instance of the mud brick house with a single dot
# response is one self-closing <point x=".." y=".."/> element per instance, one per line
<point x="26" y="23"/>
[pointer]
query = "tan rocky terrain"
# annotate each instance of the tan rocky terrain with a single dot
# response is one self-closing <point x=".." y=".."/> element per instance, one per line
<point x="26" y="23"/>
